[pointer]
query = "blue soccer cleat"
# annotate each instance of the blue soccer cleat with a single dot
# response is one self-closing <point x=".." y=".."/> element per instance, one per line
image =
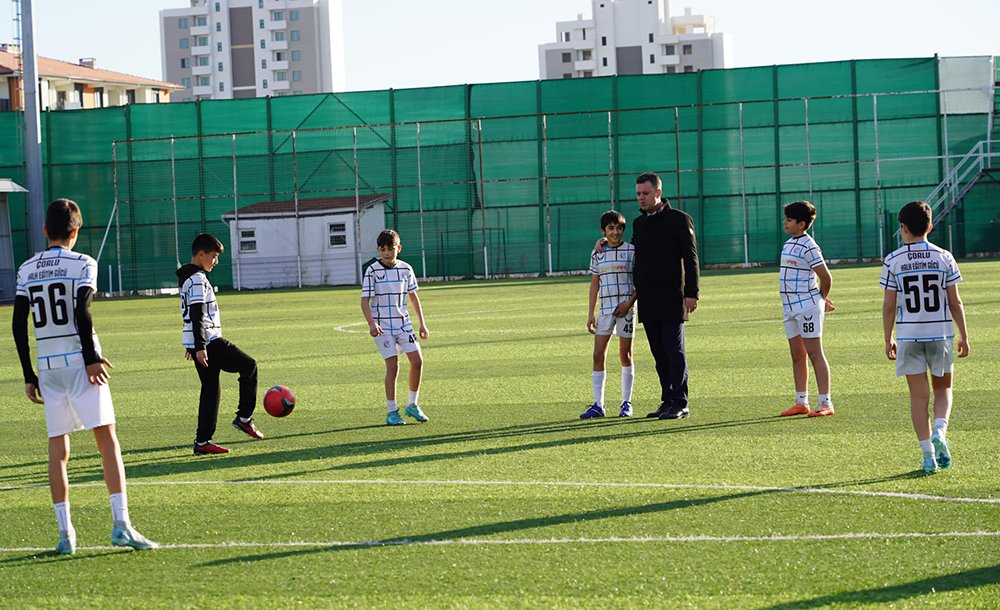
<point x="125" y="535"/>
<point x="930" y="464"/>
<point x="595" y="410"/>
<point x="626" y="409"/>
<point x="394" y="419"/>
<point x="412" y="410"/>
<point x="67" y="543"/>
<point x="941" y="451"/>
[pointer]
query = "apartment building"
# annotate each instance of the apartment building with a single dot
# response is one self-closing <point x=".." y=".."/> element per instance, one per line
<point x="226" y="49"/>
<point x="633" y="37"/>
<point x="64" y="85"/>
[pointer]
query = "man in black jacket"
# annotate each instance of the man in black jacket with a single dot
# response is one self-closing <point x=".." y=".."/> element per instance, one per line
<point x="666" y="283"/>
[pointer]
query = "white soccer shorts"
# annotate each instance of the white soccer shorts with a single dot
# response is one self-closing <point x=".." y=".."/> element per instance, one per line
<point x="807" y="323"/>
<point x="73" y="403"/>
<point x="918" y="357"/>
<point x="608" y="324"/>
<point x="388" y="344"/>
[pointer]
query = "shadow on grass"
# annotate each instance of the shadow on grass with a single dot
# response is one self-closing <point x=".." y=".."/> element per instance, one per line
<point x="502" y="527"/>
<point x="42" y="557"/>
<point x="979" y="577"/>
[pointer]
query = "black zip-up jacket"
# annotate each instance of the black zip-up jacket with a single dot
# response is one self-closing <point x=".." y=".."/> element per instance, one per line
<point x="666" y="264"/>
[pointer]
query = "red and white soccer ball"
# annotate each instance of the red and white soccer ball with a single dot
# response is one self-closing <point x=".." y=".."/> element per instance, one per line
<point x="279" y="401"/>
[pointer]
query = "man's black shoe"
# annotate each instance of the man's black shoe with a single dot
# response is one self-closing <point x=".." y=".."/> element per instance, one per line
<point x="660" y="411"/>
<point x="674" y="413"/>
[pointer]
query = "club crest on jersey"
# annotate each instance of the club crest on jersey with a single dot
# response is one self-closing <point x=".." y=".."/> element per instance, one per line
<point x="381" y="277"/>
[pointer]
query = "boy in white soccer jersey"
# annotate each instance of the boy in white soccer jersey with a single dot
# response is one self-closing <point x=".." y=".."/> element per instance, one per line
<point x="804" y="304"/>
<point x="57" y="286"/>
<point x="203" y="343"/>
<point x="386" y="285"/>
<point x="922" y="302"/>
<point x="611" y="281"/>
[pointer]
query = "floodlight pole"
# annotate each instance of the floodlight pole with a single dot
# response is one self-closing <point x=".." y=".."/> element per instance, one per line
<point x="33" y="132"/>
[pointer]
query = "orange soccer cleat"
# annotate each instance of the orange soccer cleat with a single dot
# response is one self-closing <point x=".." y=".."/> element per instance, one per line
<point x="795" y="410"/>
<point x="822" y="411"/>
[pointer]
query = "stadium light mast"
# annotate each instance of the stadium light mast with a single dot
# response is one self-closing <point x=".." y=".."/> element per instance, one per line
<point x="32" y="131"/>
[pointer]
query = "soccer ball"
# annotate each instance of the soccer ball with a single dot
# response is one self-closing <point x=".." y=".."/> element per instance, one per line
<point x="279" y="401"/>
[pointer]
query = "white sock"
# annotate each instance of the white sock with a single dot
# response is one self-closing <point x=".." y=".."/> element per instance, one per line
<point x="119" y="508"/>
<point x="927" y="447"/>
<point x="391" y="405"/>
<point x="824" y="400"/>
<point x="940" y="427"/>
<point x="802" y="398"/>
<point x="62" y="516"/>
<point x="628" y="376"/>
<point x="414" y="394"/>
<point x="597" y="378"/>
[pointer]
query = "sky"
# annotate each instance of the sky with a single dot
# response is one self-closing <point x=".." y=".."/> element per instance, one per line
<point x="421" y="43"/>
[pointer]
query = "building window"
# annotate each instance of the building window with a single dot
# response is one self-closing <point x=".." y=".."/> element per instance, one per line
<point x="280" y="55"/>
<point x="584" y="33"/>
<point x="567" y="57"/>
<point x="202" y="41"/>
<point x="263" y="64"/>
<point x="567" y="76"/>
<point x="295" y="35"/>
<point x="182" y="23"/>
<point x="263" y="43"/>
<point x="296" y="55"/>
<point x="204" y="81"/>
<point x="201" y="21"/>
<point x="185" y="62"/>
<point x="565" y="36"/>
<point x="604" y="61"/>
<point x="650" y="37"/>
<point x="260" y="3"/>
<point x="248" y="240"/>
<point x="218" y="47"/>
<point x="689" y="68"/>
<point x="186" y="83"/>
<point x="293" y="15"/>
<point x="604" y="41"/>
<point x="277" y="16"/>
<point x="260" y="24"/>
<point x="220" y="66"/>
<point x="265" y="84"/>
<point x="185" y="43"/>
<point x="338" y="234"/>
<point x="296" y="93"/>
<point x="586" y="55"/>
<point x="671" y="69"/>
<point x="222" y="86"/>
<point x="686" y="49"/>
<point x="652" y="58"/>
<point x="218" y="26"/>
<point x="130" y="95"/>
<point x="202" y="60"/>
<point x="218" y="7"/>
<point x="281" y="76"/>
<point x="588" y="74"/>
<point x="296" y="75"/>
<point x="669" y="49"/>
<point x="277" y="36"/>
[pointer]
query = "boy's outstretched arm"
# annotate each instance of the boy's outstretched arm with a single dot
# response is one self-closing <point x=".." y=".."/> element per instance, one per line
<point x="415" y="301"/>
<point x="366" y="308"/>
<point x="19" y="327"/>
<point x="825" y="282"/>
<point x="888" y="321"/>
<point x="958" y="315"/>
<point x="595" y="287"/>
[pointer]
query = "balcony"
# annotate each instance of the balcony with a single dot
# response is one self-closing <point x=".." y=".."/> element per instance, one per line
<point x="277" y="25"/>
<point x="277" y="65"/>
<point x="201" y="70"/>
<point x="668" y="60"/>
<point x="585" y="64"/>
<point x="205" y="50"/>
<point x="199" y="30"/>
<point x="207" y="90"/>
<point x="279" y="85"/>
<point x="277" y="45"/>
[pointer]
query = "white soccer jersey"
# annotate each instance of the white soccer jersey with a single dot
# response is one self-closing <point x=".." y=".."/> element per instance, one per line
<point x="796" y="280"/>
<point x="614" y="266"/>
<point x="921" y="273"/>
<point x="387" y="289"/>
<point x="50" y="280"/>
<point x="197" y="289"/>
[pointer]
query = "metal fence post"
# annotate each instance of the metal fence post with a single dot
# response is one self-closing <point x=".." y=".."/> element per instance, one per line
<point x="173" y="185"/>
<point x="482" y="200"/>
<point x="743" y="190"/>
<point x="295" y="199"/>
<point x="611" y="162"/>
<point x="420" y="201"/>
<point x="545" y="178"/>
<point x="880" y="213"/>
<point x="236" y="221"/>
<point x="357" y="212"/>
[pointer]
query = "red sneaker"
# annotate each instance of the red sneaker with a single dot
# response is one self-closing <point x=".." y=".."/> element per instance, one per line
<point x="209" y="448"/>
<point x="823" y="411"/>
<point x="795" y="410"/>
<point x="248" y="427"/>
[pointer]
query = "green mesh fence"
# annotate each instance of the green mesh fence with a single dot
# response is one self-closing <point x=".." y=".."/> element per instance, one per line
<point x="511" y="178"/>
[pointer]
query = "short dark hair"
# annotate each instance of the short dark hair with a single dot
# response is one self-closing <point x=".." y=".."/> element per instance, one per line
<point x="62" y="217"/>
<point x="387" y="238"/>
<point x="650" y="177"/>
<point x="916" y="215"/>
<point x="803" y="211"/>
<point x="206" y="242"/>
<point x="612" y="217"/>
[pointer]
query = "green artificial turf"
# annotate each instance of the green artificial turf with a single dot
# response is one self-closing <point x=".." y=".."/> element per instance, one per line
<point x="732" y="508"/>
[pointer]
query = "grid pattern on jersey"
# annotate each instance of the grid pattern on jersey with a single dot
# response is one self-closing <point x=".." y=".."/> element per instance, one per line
<point x="50" y="280"/>
<point x="614" y="266"/>
<point x="796" y="280"/>
<point x="197" y="289"/>
<point x="920" y="274"/>
<point x="387" y="289"/>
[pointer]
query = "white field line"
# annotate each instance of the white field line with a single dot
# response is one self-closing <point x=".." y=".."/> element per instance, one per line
<point x="718" y="487"/>
<point x="543" y="541"/>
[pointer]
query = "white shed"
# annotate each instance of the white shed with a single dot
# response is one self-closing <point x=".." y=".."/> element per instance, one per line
<point x="8" y="273"/>
<point x="322" y="242"/>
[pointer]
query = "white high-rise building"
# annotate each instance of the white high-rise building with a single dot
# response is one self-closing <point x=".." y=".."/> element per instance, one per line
<point x="633" y="37"/>
<point x="224" y="49"/>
